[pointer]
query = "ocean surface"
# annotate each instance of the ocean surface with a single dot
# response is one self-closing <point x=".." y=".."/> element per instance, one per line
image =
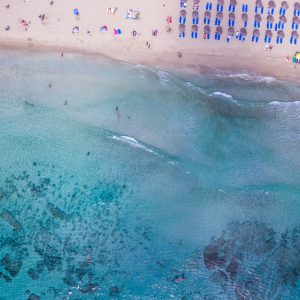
<point x="120" y="181"/>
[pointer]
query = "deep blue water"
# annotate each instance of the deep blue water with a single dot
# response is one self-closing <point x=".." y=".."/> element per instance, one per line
<point x="121" y="181"/>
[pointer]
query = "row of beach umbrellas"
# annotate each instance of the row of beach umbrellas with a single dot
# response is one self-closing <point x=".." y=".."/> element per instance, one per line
<point x="258" y="3"/>
<point x="244" y="16"/>
<point x="243" y="31"/>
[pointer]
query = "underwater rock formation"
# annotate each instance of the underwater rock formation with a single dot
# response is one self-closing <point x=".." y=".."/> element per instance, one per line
<point x="248" y="259"/>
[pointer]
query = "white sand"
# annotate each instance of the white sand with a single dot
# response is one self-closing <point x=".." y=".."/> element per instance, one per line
<point x="197" y="55"/>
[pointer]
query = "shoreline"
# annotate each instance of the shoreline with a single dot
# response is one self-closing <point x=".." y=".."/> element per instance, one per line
<point x="168" y="61"/>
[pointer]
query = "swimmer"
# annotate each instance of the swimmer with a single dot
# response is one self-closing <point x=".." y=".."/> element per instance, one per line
<point x="179" y="278"/>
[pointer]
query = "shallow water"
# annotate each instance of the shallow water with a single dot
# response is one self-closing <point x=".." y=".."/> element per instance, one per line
<point x="122" y="181"/>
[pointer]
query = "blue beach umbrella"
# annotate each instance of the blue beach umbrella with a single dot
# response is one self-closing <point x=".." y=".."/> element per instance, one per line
<point x="76" y="12"/>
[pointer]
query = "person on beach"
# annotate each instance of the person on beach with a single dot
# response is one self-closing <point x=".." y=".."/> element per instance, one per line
<point x="179" y="54"/>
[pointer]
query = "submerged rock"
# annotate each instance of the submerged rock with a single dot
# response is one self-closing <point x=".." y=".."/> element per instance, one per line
<point x="12" y="264"/>
<point x="5" y="277"/>
<point x="56" y="212"/>
<point x="11" y="220"/>
<point x="33" y="297"/>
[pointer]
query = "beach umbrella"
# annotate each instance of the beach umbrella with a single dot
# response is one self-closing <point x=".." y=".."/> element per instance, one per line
<point x="256" y="32"/>
<point x="297" y="55"/>
<point x="195" y="28"/>
<point x="283" y="19"/>
<point x="297" y="5"/>
<point x="270" y="18"/>
<point x="195" y="14"/>
<point x="233" y="2"/>
<point x="220" y="15"/>
<point x="219" y="30"/>
<point x="76" y="12"/>
<point x="296" y="20"/>
<point x="196" y="1"/>
<point x="231" y="16"/>
<point x="243" y="31"/>
<point x="272" y="4"/>
<point x="258" y="3"/>
<point x="280" y="33"/>
<point x="257" y="18"/>
<point x="183" y="13"/>
<point x="182" y="28"/>
<point x="207" y="14"/>
<point x="75" y="29"/>
<point x="230" y="31"/>
<point x="207" y="29"/>
<point x="284" y="4"/>
<point x="245" y="17"/>
<point x="269" y="33"/>
<point x="221" y="2"/>
<point x="295" y="34"/>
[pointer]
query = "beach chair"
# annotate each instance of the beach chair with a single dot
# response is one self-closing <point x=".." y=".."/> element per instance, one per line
<point x="271" y="11"/>
<point x="231" y="23"/>
<point x="217" y="22"/>
<point x="259" y="10"/>
<point x="267" y="39"/>
<point x="282" y="11"/>
<point x="112" y="10"/>
<point x="256" y="24"/>
<point x="254" y="38"/>
<point x="194" y="35"/>
<point x="220" y="8"/>
<point x="245" y="8"/>
<point x="195" y="7"/>
<point x="280" y="25"/>
<point x="195" y="21"/>
<point x="182" y="20"/>
<point x="279" y="40"/>
<point x="269" y="25"/>
<point x="231" y="8"/>
<point x="182" y="35"/>
<point x="208" y="6"/>
<point x="206" y="21"/>
<point x="117" y="31"/>
<point x="295" y="26"/>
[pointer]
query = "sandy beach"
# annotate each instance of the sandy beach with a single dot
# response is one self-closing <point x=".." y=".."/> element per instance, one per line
<point x="48" y="25"/>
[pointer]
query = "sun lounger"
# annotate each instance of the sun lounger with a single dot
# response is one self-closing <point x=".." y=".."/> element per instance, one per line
<point x="217" y="36"/>
<point x="254" y="38"/>
<point x="245" y="23"/>
<point x="271" y="11"/>
<point x="194" y="35"/>
<point x="280" y="25"/>
<point x="206" y="21"/>
<point x="256" y="24"/>
<point x="295" y="26"/>
<point x="217" y="22"/>
<point x="220" y="8"/>
<point x="195" y="7"/>
<point x="195" y="21"/>
<point x="245" y="8"/>
<point x="279" y="40"/>
<point x="282" y="11"/>
<point x="297" y="12"/>
<point x="182" y="34"/>
<point x="267" y="39"/>
<point x="231" y="8"/>
<point x="269" y="25"/>
<point x="208" y="6"/>
<point x="182" y="20"/>
<point x="276" y="27"/>
<point x="259" y="10"/>
<point x="231" y="23"/>
<point x="293" y="40"/>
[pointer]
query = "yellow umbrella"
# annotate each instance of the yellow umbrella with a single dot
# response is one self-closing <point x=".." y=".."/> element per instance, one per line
<point x="297" y="55"/>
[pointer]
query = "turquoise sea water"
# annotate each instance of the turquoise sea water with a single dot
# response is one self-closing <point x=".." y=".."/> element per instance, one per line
<point x="122" y="181"/>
